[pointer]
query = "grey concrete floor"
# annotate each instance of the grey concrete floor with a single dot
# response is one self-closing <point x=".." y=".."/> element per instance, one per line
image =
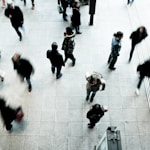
<point x="55" y="111"/>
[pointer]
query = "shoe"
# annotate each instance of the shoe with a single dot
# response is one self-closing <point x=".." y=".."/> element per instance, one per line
<point x="59" y="76"/>
<point x="112" y="68"/>
<point x="78" y="33"/>
<point x="73" y="63"/>
<point x="90" y="126"/>
<point x="137" y="91"/>
<point x="65" y="19"/>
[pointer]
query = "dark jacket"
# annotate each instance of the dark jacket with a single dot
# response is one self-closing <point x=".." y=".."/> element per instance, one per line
<point x="68" y="43"/>
<point x="144" y="69"/>
<point x="23" y="67"/>
<point x="55" y="58"/>
<point x="75" y="17"/>
<point x="17" y="16"/>
<point x="95" y="114"/>
<point x="137" y="37"/>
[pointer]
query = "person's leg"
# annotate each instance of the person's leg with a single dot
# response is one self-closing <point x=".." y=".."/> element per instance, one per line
<point x="58" y="74"/>
<point x="24" y="2"/>
<point x="132" y="50"/>
<point x="139" y="84"/>
<point x="112" y="62"/>
<point x="109" y="59"/>
<point x="53" y="69"/>
<point x="71" y="56"/>
<point x="92" y="96"/>
<point x="3" y="3"/>
<point x="92" y="123"/>
<point x="8" y="126"/>
<point x="88" y="91"/>
<point x="64" y="14"/>
<point x="18" y="32"/>
<point x="29" y="84"/>
<point x="66" y="57"/>
<point x="33" y="5"/>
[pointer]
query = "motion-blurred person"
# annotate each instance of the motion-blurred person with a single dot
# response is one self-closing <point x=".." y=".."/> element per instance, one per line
<point x="64" y="4"/>
<point x="69" y="44"/>
<point x="10" y="114"/>
<point x="15" y="15"/>
<point x="136" y="37"/>
<point x="24" y="68"/>
<point x="95" y="82"/>
<point x="3" y="3"/>
<point x="115" y="49"/>
<point x="130" y="2"/>
<point x="95" y="114"/>
<point x="32" y="1"/>
<point x="56" y="60"/>
<point x="144" y="71"/>
<point x="75" y="18"/>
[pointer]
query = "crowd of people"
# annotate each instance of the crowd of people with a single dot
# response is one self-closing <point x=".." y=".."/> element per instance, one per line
<point x="95" y="81"/>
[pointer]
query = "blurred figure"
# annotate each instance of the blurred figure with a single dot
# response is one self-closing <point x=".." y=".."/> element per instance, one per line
<point x="115" y="49"/>
<point x="3" y="3"/>
<point x="75" y="18"/>
<point x="15" y="15"/>
<point x="56" y="60"/>
<point x="136" y="37"/>
<point x="95" y="82"/>
<point x="64" y="4"/>
<point x="10" y="114"/>
<point x="32" y="1"/>
<point x="144" y="71"/>
<point x="24" y="68"/>
<point x="95" y="114"/>
<point x="69" y="44"/>
<point x="130" y="2"/>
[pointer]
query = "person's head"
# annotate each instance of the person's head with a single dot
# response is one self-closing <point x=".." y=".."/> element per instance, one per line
<point x="119" y="35"/>
<point x="10" y="4"/>
<point x="105" y="108"/>
<point x="16" y="57"/>
<point x="141" y="29"/>
<point x="54" y="46"/>
<point x="69" y="31"/>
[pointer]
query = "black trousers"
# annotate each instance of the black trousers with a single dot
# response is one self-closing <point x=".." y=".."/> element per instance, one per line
<point x="70" y="56"/>
<point x="133" y="44"/>
<point x="112" y="60"/>
<point x="58" y="70"/>
<point x="18" y="32"/>
<point x="140" y="81"/>
<point x="32" y="1"/>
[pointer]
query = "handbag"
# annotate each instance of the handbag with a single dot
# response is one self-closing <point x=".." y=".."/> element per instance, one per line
<point x="60" y="9"/>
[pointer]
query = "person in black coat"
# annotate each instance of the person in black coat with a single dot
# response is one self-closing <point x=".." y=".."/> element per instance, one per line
<point x="64" y="4"/>
<point x="136" y="37"/>
<point x="75" y="18"/>
<point x="144" y="71"/>
<point x="24" y="68"/>
<point x="8" y="114"/>
<point x="56" y="60"/>
<point x="95" y="114"/>
<point x="15" y="15"/>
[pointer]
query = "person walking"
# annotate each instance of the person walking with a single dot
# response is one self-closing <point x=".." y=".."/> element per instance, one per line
<point x="130" y="2"/>
<point x="33" y="5"/>
<point x="24" y="68"/>
<point x="95" y="114"/>
<point x="136" y="37"/>
<point x="56" y="60"/>
<point x="64" y="4"/>
<point x="10" y="114"/>
<point x="115" y="49"/>
<point x="95" y="82"/>
<point x="3" y="3"/>
<point x="75" y="18"/>
<point x="68" y="45"/>
<point x="15" y="15"/>
<point x="144" y="71"/>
